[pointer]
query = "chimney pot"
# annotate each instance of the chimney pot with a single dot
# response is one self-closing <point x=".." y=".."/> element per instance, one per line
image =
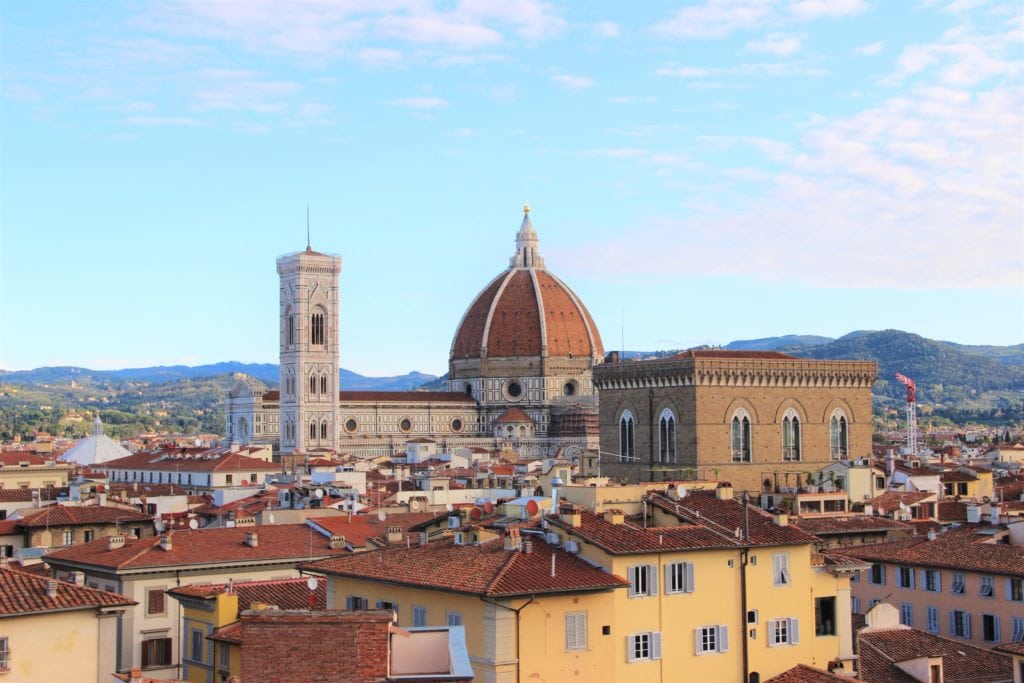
<point x="51" y="588"/>
<point x="527" y="546"/>
<point x="252" y="539"/>
<point x="165" y="542"/>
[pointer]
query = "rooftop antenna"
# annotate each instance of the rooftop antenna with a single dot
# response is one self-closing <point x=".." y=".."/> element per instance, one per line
<point x="308" y="247"/>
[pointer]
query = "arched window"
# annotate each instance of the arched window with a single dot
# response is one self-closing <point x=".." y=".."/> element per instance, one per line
<point x="667" y="436"/>
<point x="323" y="429"/>
<point x="839" y="446"/>
<point x="316" y="329"/>
<point x="323" y="384"/>
<point x="290" y="323"/>
<point x="791" y="435"/>
<point x="312" y="385"/>
<point x="741" y="436"/>
<point x="627" y="447"/>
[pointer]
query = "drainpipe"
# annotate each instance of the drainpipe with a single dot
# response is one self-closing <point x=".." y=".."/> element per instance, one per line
<point x="744" y="559"/>
<point x="519" y="670"/>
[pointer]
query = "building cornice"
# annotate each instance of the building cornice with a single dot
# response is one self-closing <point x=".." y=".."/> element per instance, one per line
<point x="731" y="372"/>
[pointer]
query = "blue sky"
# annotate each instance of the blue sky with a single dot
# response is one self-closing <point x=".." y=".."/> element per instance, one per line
<point x="698" y="172"/>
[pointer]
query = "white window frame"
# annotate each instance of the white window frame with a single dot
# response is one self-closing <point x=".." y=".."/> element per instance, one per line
<point x="667" y="428"/>
<point x="959" y="584"/>
<point x="453" y="618"/>
<point x="1017" y="631"/>
<point x="792" y="433"/>
<point x="679" y="578"/>
<point x="575" y="631"/>
<point x="1011" y="582"/>
<point x="643" y="580"/>
<point x="988" y="586"/>
<point x="780" y="570"/>
<point x="627" y="436"/>
<point x="905" y="577"/>
<point x="783" y="632"/>
<point x="643" y="646"/>
<point x="711" y="639"/>
<point x="935" y="587"/>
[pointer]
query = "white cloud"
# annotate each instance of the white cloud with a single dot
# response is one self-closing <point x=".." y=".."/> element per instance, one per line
<point x="607" y="29"/>
<point x="170" y="121"/>
<point x="375" y="56"/>
<point x="778" y="44"/>
<point x="419" y="102"/>
<point x="869" y="50"/>
<point x="241" y="90"/>
<point x="789" y="68"/>
<point x="815" y="9"/>
<point x="570" y="82"/>
<point x="715" y="19"/>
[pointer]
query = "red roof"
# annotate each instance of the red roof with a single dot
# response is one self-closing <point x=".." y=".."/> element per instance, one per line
<point x="72" y="515"/>
<point x="15" y="458"/>
<point x="283" y="593"/>
<point x="274" y="542"/>
<point x="854" y="524"/>
<point x="890" y="500"/>
<point x="361" y="528"/>
<point x="484" y="569"/>
<point x="963" y="551"/>
<point x="514" y="414"/>
<point x="801" y="673"/>
<point x="192" y="460"/>
<point x="20" y="495"/>
<point x="23" y="593"/>
<point x="881" y="650"/>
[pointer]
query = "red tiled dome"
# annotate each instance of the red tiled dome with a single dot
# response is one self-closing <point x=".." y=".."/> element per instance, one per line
<point x="526" y="311"/>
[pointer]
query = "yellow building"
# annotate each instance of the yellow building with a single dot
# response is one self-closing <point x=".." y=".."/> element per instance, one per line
<point x="20" y="470"/>
<point x="210" y="620"/>
<point x="56" y="631"/>
<point x="678" y="592"/>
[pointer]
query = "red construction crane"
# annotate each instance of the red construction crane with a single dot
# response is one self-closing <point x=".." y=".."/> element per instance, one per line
<point x="911" y="412"/>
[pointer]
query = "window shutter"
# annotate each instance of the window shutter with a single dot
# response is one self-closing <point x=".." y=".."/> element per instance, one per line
<point x="156" y="601"/>
<point x="938" y="581"/>
<point x="570" y="631"/>
<point x="652" y="579"/>
<point x="698" y="640"/>
<point x="794" y="631"/>
<point x="952" y="622"/>
<point x="995" y="624"/>
<point x="723" y="638"/>
<point x="911" y="576"/>
<point x="349" y="602"/>
<point x="380" y="604"/>
<point x="689" y="587"/>
<point x="1009" y="589"/>
<point x="771" y="632"/>
<point x="777" y="567"/>
<point x="656" y="645"/>
<point x="631" y="648"/>
<point x="967" y="624"/>
<point x="145" y="654"/>
<point x="631" y="575"/>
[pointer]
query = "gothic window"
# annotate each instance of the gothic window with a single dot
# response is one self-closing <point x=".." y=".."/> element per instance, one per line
<point x="291" y="327"/>
<point x="323" y="429"/>
<point x="316" y="329"/>
<point x="667" y="436"/>
<point x="312" y="385"/>
<point x="323" y="384"/>
<point x="741" y="436"/>
<point x="838" y="437"/>
<point x="312" y="431"/>
<point x="627" y="447"/>
<point x="791" y="435"/>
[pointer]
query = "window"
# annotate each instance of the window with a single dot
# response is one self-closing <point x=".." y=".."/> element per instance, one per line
<point x="783" y="632"/>
<point x="932" y="580"/>
<point x="155" y="603"/>
<point x="907" y="614"/>
<point x="356" y="602"/>
<point x="711" y="639"/>
<point x="323" y="430"/>
<point x="317" y="329"/>
<point x="453" y="618"/>
<point x="791" y="435"/>
<point x="988" y="586"/>
<point x="825" y="616"/>
<point x="88" y="535"/>
<point x="679" y="578"/>
<point x="136" y="532"/>
<point x="643" y="646"/>
<point x="905" y="577"/>
<point x="855" y="605"/>
<point x="312" y="431"/>
<point x="933" y="619"/>
<point x="959" y="623"/>
<point x="1018" y="630"/>
<point x="627" y="448"/>
<point x="877" y="575"/>
<point x="958" y="583"/>
<point x="419" y="616"/>
<point x="990" y="628"/>
<point x="312" y="385"/>
<point x="741" y="436"/>
<point x="575" y="630"/>
<point x="643" y="580"/>
<point x="68" y="537"/>
<point x="229" y="479"/>
<point x="1015" y="590"/>
<point x="197" y="646"/>
<point x="323" y="385"/>
<point x="291" y="329"/>
<point x="156" y="652"/>
<point x="838" y="439"/>
<point x="961" y="488"/>
<point x="667" y="436"/>
<point x="780" y="569"/>
<point x="405" y="425"/>
<point x="5" y="655"/>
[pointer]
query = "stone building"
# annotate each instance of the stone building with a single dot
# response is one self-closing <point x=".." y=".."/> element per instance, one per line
<point x="520" y="371"/>
<point x="757" y="419"/>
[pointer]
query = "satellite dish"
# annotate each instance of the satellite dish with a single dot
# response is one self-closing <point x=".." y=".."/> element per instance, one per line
<point x="159" y="525"/>
<point x="476" y="513"/>
<point x="449" y="507"/>
<point x="193" y="524"/>
<point x="311" y="582"/>
<point x="488" y="507"/>
<point x="319" y="493"/>
<point x="681" y="493"/>
<point x="532" y="507"/>
<point x="381" y="515"/>
<point x="270" y="516"/>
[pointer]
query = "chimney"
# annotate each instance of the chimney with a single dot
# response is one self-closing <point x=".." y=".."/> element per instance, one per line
<point x="165" y="542"/>
<point x="115" y="542"/>
<point x="571" y="515"/>
<point x="336" y="542"/>
<point x="423" y="538"/>
<point x="394" y="534"/>
<point x="136" y="676"/>
<point x="890" y="463"/>
<point x="51" y="588"/>
<point x="252" y="539"/>
<point x="614" y="516"/>
<point x="973" y="514"/>
<point x="781" y="519"/>
<point x="513" y="541"/>
<point x="931" y="535"/>
<point x="102" y="498"/>
<point x="527" y="546"/>
<point x="78" y="578"/>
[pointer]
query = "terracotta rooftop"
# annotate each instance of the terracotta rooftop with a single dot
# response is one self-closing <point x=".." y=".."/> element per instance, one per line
<point x="801" y="673"/>
<point x="192" y="460"/>
<point x="962" y="551"/>
<point x="283" y="542"/>
<point x="951" y="511"/>
<point x="854" y="524"/>
<point x="138" y="489"/>
<point x="272" y="395"/>
<point x="23" y="593"/>
<point x="232" y="633"/>
<point x="514" y="414"/>
<point x="20" y="495"/>
<point x="361" y="528"/>
<point x="284" y="593"/>
<point x="72" y="515"/>
<point x="880" y="650"/>
<point x="890" y="500"/>
<point x="957" y="475"/>
<point x="484" y="569"/>
<point x="16" y="458"/>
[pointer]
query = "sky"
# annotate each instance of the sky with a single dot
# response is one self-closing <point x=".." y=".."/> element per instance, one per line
<point x="698" y="172"/>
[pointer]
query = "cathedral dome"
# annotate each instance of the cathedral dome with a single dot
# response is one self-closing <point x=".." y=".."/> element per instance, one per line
<point x="527" y="311"/>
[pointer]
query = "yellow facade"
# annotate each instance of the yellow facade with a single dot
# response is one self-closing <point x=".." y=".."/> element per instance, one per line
<point x="34" y="476"/>
<point x="208" y="663"/>
<point x="70" y="647"/>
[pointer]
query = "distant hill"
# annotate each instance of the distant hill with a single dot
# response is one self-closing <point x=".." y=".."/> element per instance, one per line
<point x="775" y="343"/>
